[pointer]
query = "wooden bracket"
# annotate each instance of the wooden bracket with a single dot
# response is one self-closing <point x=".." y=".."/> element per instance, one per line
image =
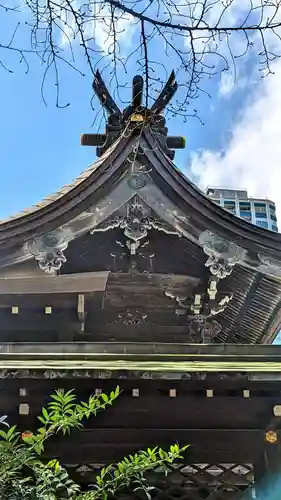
<point x="81" y="311"/>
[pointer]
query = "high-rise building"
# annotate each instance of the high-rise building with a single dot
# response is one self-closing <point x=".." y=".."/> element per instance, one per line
<point x="257" y="211"/>
<point x="261" y="212"/>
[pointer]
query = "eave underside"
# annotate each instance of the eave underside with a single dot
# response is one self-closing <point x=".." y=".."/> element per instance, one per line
<point x="252" y="316"/>
<point x="220" y="410"/>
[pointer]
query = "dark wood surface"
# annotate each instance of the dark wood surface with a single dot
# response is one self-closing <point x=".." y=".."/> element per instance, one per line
<point x="44" y="284"/>
<point x="223" y="428"/>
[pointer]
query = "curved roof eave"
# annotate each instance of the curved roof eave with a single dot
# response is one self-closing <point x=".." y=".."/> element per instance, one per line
<point x="74" y="198"/>
<point x="247" y="235"/>
<point x="67" y="203"/>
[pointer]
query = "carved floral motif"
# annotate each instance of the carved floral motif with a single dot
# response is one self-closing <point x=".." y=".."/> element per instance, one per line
<point x="200" y="309"/>
<point x="202" y="330"/>
<point x="116" y="374"/>
<point x="269" y="266"/>
<point x="137" y="181"/>
<point x="131" y="318"/>
<point x="49" y="248"/>
<point x="136" y="224"/>
<point x="201" y="305"/>
<point x="223" y="255"/>
<point x="219" y="267"/>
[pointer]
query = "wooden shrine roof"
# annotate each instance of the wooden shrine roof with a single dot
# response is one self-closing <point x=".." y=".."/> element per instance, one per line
<point x="145" y="252"/>
<point x="80" y="195"/>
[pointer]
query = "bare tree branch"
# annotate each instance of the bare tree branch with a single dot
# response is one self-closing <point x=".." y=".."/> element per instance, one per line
<point x="198" y="38"/>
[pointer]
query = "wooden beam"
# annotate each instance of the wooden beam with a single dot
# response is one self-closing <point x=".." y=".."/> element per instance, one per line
<point x="156" y="411"/>
<point x="109" y="436"/>
<point x="81" y="311"/>
<point x="65" y="283"/>
<point x="111" y="444"/>
<point x="216" y="353"/>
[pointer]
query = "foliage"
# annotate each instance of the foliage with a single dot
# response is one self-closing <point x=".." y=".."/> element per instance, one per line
<point x="199" y="38"/>
<point x="24" y="475"/>
<point x="130" y="472"/>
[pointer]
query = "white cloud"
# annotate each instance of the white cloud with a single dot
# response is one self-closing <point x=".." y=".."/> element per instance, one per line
<point x="252" y="158"/>
<point x="227" y="84"/>
<point x="231" y="81"/>
<point x="97" y="27"/>
<point x="231" y="52"/>
<point x="101" y="31"/>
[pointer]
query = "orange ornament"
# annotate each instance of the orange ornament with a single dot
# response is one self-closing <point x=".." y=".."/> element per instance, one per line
<point x="271" y="437"/>
<point x="26" y="434"/>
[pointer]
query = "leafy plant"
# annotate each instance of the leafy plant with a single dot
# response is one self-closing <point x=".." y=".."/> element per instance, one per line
<point x="24" y="475"/>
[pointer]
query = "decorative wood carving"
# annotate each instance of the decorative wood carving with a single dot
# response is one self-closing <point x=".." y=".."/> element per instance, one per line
<point x="136" y="113"/>
<point x="131" y="318"/>
<point x="49" y="248"/>
<point x="201" y="304"/>
<point x="200" y="308"/>
<point x="223" y="255"/>
<point x="269" y="266"/>
<point x="120" y="374"/>
<point x="196" y="481"/>
<point x="136" y="224"/>
<point x="202" y="330"/>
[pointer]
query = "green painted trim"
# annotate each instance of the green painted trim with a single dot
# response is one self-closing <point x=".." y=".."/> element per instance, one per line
<point x="164" y="366"/>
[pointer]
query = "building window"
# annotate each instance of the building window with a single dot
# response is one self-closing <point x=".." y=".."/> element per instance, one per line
<point x="260" y="207"/>
<point x="246" y="217"/>
<point x="228" y="193"/>
<point x="272" y="209"/>
<point x="273" y="217"/>
<point x="230" y="206"/>
<point x="274" y="228"/>
<point x="262" y="223"/>
<point x="244" y="206"/>
<point x="260" y="211"/>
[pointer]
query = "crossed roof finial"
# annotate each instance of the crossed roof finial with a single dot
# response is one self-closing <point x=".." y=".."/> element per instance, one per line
<point x="136" y="113"/>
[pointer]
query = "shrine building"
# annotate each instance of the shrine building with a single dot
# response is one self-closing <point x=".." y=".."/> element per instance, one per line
<point x="132" y="276"/>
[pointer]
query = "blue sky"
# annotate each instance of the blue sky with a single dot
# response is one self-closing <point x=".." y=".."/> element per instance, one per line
<point x="40" y="145"/>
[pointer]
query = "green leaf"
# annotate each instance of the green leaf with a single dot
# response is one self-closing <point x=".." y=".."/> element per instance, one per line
<point x="45" y="413"/>
<point x="42" y="420"/>
<point x="52" y="463"/>
<point x="12" y="433"/>
<point x="63" y="415"/>
<point x="3" y="434"/>
<point x="28" y="439"/>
